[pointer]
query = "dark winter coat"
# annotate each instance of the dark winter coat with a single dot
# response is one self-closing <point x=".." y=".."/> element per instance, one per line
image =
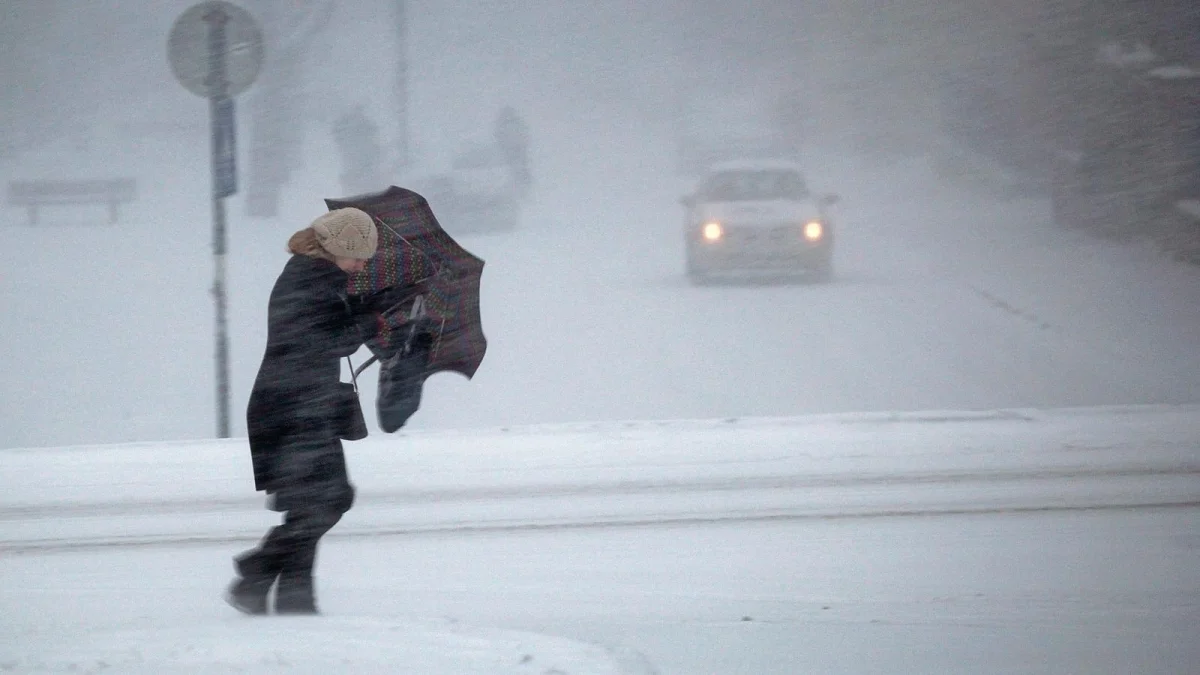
<point x="311" y="326"/>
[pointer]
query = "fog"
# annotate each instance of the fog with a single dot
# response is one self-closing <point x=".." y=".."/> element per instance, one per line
<point x="951" y="290"/>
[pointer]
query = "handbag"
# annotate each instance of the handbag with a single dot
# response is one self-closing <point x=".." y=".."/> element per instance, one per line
<point x="401" y="379"/>
<point x="351" y="424"/>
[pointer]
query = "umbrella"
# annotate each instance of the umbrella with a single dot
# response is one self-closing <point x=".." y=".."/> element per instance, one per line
<point x="416" y="254"/>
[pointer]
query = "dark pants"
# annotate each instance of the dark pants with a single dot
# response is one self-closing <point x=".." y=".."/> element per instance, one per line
<point x="313" y="497"/>
<point x="313" y="490"/>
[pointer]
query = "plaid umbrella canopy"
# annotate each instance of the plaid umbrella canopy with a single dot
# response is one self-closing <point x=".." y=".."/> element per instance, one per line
<point x="415" y="251"/>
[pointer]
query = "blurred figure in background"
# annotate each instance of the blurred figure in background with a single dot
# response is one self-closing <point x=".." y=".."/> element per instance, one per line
<point x="357" y="138"/>
<point x="511" y="134"/>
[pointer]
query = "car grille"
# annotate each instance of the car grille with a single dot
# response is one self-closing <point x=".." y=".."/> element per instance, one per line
<point x="776" y="234"/>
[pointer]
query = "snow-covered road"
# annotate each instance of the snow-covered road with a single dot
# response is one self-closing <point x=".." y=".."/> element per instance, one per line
<point x="1096" y="593"/>
<point x="1021" y="540"/>
<point x="611" y="474"/>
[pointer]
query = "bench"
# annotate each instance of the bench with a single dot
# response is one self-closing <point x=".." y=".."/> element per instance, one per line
<point x="37" y="193"/>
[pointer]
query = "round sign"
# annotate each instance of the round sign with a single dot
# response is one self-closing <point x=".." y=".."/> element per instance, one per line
<point x="212" y="34"/>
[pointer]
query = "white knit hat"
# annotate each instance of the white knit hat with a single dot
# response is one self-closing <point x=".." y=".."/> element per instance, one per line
<point x="347" y="233"/>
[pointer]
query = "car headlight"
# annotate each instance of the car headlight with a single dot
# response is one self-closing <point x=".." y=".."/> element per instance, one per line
<point x="814" y="231"/>
<point x="712" y="231"/>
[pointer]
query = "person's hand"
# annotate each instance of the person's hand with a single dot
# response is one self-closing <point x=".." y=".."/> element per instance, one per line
<point x="387" y="300"/>
<point x="369" y="324"/>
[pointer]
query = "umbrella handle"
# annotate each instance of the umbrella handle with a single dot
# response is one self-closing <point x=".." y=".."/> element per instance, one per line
<point x="418" y="309"/>
<point x="412" y="332"/>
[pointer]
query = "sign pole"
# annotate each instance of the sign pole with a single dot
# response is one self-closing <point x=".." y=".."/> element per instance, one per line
<point x="216" y="49"/>
<point x="221" y="109"/>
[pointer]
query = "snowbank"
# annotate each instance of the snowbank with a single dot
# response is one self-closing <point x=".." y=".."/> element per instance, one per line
<point x="315" y="645"/>
<point x="611" y="474"/>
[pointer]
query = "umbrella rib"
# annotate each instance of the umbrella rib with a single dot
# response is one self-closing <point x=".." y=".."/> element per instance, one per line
<point x="437" y="272"/>
<point x="399" y="236"/>
<point x="438" y="343"/>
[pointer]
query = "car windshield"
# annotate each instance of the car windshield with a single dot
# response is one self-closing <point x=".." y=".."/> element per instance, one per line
<point x="732" y="186"/>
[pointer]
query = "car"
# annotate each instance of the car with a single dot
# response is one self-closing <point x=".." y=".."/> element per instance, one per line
<point x="759" y="217"/>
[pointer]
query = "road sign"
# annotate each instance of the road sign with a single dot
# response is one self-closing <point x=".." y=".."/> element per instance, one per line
<point x="239" y="49"/>
<point x="224" y="148"/>
<point x="216" y="50"/>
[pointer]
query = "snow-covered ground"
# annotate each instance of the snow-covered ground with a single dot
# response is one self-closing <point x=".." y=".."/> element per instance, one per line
<point x="974" y="451"/>
<point x="1018" y="540"/>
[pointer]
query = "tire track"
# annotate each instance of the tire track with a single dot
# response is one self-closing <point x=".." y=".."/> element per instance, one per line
<point x="34" y="547"/>
<point x="1009" y="308"/>
<point x="614" y="488"/>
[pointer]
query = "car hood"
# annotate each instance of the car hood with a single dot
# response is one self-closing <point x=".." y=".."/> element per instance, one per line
<point x="764" y="213"/>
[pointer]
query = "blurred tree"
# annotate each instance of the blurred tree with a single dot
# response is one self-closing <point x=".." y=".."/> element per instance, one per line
<point x="45" y="88"/>
<point x="1123" y="129"/>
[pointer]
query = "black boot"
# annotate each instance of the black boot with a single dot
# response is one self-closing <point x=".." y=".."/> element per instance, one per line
<point x="257" y="571"/>
<point x="295" y="593"/>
